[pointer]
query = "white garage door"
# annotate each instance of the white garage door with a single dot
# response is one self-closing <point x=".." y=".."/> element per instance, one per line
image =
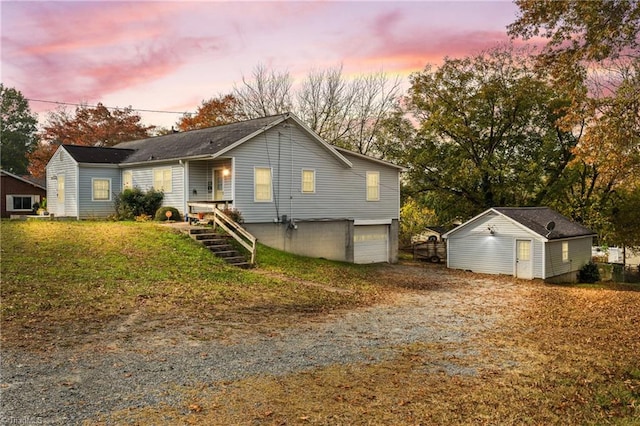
<point x="371" y="243"/>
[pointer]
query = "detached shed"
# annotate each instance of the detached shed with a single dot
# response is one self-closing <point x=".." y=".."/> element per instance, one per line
<point x="525" y="242"/>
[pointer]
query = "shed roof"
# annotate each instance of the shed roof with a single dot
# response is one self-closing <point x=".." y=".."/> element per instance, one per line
<point x="538" y="220"/>
<point x="98" y="155"/>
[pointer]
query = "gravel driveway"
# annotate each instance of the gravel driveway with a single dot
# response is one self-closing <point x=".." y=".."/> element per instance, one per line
<point x="115" y="370"/>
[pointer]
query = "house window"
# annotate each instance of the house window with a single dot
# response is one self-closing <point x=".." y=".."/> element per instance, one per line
<point x="18" y="203"/>
<point x="565" y="251"/>
<point x="373" y="186"/>
<point x="308" y="181"/>
<point x="162" y="180"/>
<point x="101" y="189"/>
<point x="262" y="188"/>
<point x="127" y="180"/>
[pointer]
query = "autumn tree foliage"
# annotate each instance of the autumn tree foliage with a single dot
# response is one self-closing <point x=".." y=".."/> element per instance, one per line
<point x="581" y="30"/>
<point x="592" y="46"/>
<point x="217" y="111"/>
<point x="89" y="126"/>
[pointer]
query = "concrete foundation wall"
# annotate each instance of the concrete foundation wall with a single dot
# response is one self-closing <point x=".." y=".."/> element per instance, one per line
<point x="324" y="239"/>
<point x="569" y="277"/>
<point x="394" y="241"/>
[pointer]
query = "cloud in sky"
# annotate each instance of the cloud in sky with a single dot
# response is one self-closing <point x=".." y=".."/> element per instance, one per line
<point x="156" y="55"/>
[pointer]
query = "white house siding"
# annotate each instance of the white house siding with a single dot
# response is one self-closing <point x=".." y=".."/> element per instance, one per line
<point x="340" y="191"/>
<point x="142" y="177"/>
<point x="62" y="164"/>
<point x="579" y="255"/>
<point x="474" y="248"/>
<point x="90" y="209"/>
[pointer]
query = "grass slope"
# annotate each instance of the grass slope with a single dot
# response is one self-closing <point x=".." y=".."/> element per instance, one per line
<point x="57" y="274"/>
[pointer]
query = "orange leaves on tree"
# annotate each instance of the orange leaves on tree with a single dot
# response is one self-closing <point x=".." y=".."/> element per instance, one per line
<point x="88" y="126"/>
<point x="214" y="112"/>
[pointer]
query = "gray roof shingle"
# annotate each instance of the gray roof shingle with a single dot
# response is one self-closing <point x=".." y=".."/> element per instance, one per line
<point x="193" y="143"/>
<point x="537" y="219"/>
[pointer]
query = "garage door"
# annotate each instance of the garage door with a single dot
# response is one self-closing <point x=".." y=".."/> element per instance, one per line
<point x="371" y="243"/>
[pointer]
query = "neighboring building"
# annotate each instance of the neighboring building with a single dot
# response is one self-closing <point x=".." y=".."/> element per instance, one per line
<point x="19" y="194"/>
<point x="525" y="242"/>
<point x="295" y="191"/>
<point x="429" y="233"/>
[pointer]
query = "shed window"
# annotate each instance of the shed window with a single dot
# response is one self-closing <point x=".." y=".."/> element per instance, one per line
<point x="308" y="181"/>
<point x="373" y="186"/>
<point x="101" y="189"/>
<point x="524" y="250"/>
<point x="262" y="184"/>
<point x="162" y="179"/>
<point x="565" y="251"/>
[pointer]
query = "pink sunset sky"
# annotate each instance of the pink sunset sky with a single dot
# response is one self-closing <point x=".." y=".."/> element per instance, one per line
<point x="170" y="56"/>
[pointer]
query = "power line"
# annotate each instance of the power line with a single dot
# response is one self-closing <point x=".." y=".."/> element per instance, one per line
<point x="107" y="107"/>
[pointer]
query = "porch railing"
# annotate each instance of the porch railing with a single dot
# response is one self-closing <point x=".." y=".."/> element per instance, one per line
<point x="241" y="235"/>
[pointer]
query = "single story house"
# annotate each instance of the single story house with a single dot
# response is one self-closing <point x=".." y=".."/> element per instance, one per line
<point x="19" y="193"/>
<point x="525" y="242"/>
<point x="294" y="191"/>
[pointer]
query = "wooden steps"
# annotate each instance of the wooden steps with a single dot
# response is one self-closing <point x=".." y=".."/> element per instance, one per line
<point x="219" y="245"/>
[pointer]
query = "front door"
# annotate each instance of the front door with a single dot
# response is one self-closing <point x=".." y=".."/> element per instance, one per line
<point x="218" y="184"/>
<point x="60" y="196"/>
<point x="524" y="267"/>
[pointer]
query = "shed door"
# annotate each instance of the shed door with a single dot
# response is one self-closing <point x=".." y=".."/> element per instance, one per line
<point x="524" y="267"/>
<point x="371" y="243"/>
<point x="60" y="196"/>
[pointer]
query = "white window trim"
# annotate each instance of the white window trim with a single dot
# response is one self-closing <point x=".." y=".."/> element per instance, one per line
<point x="125" y="173"/>
<point x="565" y="259"/>
<point x="367" y="186"/>
<point x="255" y="192"/>
<point x="313" y="191"/>
<point x="162" y="170"/>
<point x="34" y="199"/>
<point x="93" y="190"/>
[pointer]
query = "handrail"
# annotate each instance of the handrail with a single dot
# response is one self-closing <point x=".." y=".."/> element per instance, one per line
<point x="245" y="239"/>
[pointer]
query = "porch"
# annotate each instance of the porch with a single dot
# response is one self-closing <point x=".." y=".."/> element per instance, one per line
<point x="208" y="184"/>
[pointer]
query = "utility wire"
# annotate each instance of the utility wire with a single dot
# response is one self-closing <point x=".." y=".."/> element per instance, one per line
<point x="107" y="107"/>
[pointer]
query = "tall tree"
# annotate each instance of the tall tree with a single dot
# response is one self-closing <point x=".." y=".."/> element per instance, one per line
<point x="223" y="109"/>
<point x="347" y="113"/>
<point x="488" y="133"/>
<point x="582" y="30"/>
<point x="17" y="130"/>
<point x="89" y="126"/>
<point x="601" y="38"/>
<point x="266" y="93"/>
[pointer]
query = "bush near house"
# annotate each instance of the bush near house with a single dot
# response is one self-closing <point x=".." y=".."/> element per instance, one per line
<point x="161" y="214"/>
<point x="589" y="273"/>
<point x="134" y="202"/>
